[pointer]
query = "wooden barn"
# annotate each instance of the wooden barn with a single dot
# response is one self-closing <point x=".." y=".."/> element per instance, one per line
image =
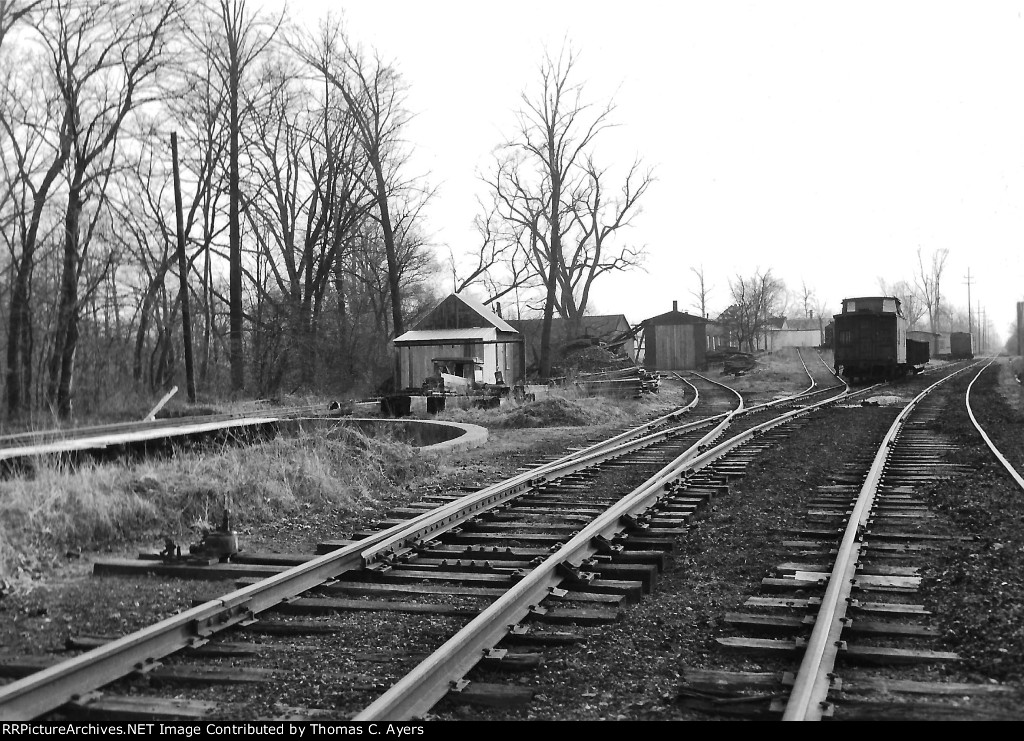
<point x="675" y="340"/>
<point x="611" y="330"/>
<point x="468" y="338"/>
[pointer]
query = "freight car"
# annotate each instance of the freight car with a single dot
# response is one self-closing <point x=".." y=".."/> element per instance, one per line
<point x="870" y="343"/>
<point x="961" y="345"/>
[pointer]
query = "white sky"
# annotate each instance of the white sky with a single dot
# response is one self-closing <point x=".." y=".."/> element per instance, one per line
<point x="827" y="141"/>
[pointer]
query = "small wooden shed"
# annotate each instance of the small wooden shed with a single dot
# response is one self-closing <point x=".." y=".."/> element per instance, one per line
<point x="675" y="340"/>
<point x="460" y="328"/>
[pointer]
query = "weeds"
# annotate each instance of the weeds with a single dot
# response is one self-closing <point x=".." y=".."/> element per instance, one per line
<point x="105" y="505"/>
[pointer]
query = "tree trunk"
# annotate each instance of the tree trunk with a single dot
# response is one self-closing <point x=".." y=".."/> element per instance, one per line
<point x="234" y="227"/>
<point x="19" y="360"/>
<point x="389" y="246"/>
<point x="556" y="252"/>
<point x="62" y="361"/>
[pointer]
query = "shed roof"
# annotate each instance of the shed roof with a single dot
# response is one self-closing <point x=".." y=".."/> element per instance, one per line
<point x="805" y="323"/>
<point x="676" y="317"/>
<point x="446" y="336"/>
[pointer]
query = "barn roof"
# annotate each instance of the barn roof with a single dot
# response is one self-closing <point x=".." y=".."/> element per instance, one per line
<point x="483" y="311"/>
<point x="676" y="317"/>
<point x="458" y="311"/>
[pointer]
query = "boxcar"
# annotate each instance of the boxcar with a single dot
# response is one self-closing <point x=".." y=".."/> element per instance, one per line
<point x="870" y="340"/>
<point x="918" y="353"/>
<point x="961" y="345"/>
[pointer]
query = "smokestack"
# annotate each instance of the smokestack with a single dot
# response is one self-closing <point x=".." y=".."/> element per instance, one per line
<point x="675" y="306"/>
<point x="497" y="308"/>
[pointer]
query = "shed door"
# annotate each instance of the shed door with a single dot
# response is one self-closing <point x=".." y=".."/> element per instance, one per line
<point x="675" y="348"/>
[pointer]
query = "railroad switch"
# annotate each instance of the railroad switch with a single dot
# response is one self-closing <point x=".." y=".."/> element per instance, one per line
<point x="221" y="544"/>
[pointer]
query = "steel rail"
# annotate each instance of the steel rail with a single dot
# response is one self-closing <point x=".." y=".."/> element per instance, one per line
<point x="451" y="514"/>
<point x="429" y="681"/>
<point x="638" y="430"/>
<point x="991" y="445"/>
<point x="50" y="688"/>
<point x="808" y="698"/>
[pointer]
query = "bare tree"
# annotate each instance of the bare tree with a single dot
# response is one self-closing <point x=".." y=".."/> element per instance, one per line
<point x="702" y="292"/>
<point x="105" y="61"/>
<point x="807" y="299"/>
<point x="554" y="198"/>
<point x="502" y="259"/>
<point x="13" y="11"/>
<point x="756" y="299"/>
<point x="308" y="198"/>
<point x="598" y="218"/>
<point x="38" y="146"/>
<point x="246" y="35"/>
<point x="374" y="94"/>
<point x="928" y="285"/>
<point x="912" y="306"/>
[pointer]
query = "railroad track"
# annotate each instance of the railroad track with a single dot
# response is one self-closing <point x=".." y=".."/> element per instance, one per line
<point x="459" y="591"/>
<point x="615" y="553"/>
<point x="838" y="628"/>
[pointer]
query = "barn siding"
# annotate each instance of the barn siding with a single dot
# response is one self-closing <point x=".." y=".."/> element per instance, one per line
<point x="416" y="361"/>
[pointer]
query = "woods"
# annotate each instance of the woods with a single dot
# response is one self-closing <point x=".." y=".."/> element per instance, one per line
<point x="202" y="186"/>
<point x="301" y="254"/>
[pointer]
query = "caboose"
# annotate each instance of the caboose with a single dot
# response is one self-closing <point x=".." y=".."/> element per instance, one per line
<point x="870" y="342"/>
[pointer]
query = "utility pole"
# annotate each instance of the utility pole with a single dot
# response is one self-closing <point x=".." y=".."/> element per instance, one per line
<point x="970" y="324"/>
<point x="981" y="327"/>
<point x="186" y="316"/>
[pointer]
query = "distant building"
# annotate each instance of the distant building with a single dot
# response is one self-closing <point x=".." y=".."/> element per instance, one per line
<point x="715" y="334"/>
<point x="608" y="330"/>
<point x="807" y="332"/>
<point x="733" y="326"/>
<point x="675" y="340"/>
<point x="469" y="337"/>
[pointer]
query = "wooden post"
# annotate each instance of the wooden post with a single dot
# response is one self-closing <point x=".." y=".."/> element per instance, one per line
<point x="160" y="405"/>
<point x="186" y="316"/>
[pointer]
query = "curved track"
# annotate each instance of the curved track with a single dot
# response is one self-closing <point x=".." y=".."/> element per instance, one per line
<point x="643" y="512"/>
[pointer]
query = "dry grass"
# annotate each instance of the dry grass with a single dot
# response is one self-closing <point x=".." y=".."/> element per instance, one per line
<point x="781" y="372"/>
<point x="557" y="409"/>
<point x="103" y="505"/>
